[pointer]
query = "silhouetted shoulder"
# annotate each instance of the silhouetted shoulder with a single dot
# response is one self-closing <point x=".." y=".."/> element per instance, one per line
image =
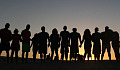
<point x="25" y="33"/>
<point x="64" y="34"/>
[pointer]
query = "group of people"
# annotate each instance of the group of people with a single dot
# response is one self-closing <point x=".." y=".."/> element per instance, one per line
<point x="41" y="41"/>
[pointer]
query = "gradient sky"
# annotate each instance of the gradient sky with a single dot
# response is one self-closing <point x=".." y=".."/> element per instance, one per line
<point x="81" y="14"/>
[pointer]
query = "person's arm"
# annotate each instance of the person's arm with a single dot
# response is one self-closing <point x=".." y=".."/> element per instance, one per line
<point x="20" y="39"/>
<point x="58" y="41"/>
<point x="80" y="39"/>
<point x="48" y="40"/>
<point x="82" y="42"/>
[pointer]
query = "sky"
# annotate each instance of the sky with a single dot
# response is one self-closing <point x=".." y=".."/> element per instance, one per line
<point x="81" y="14"/>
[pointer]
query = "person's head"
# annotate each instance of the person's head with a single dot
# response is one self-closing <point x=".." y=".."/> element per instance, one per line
<point x="43" y="29"/>
<point x="87" y="32"/>
<point x="54" y="31"/>
<point x="35" y="35"/>
<point x="106" y="28"/>
<point x="16" y="31"/>
<point x="74" y="29"/>
<point x="7" y="25"/>
<point x="96" y="29"/>
<point x="27" y="26"/>
<point x="65" y="28"/>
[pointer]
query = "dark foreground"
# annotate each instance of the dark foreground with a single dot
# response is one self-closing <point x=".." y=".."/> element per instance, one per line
<point x="54" y="65"/>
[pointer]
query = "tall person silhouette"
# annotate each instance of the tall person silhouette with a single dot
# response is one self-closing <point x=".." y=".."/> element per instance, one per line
<point x="115" y="43"/>
<point x="15" y="46"/>
<point x="106" y="37"/>
<point x="87" y="43"/>
<point x="25" y="42"/>
<point x="74" y="36"/>
<point x="64" y="36"/>
<point x="35" y="46"/>
<point x="43" y="38"/>
<point x="5" y="35"/>
<point x="96" y="44"/>
<point x="55" y="43"/>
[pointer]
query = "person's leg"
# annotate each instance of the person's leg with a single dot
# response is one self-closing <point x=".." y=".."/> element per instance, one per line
<point x="41" y="56"/>
<point x="66" y="56"/>
<point x="27" y="56"/>
<point x="52" y="52"/>
<point x="108" y="50"/>
<point x="23" y="56"/>
<point x="12" y="53"/>
<point x="75" y="56"/>
<point x="7" y="55"/>
<point x="34" y="55"/>
<point x="103" y="51"/>
<point x="62" y="56"/>
<point x="89" y="55"/>
<point x="85" y="54"/>
<point x="44" y="56"/>
<point x="98" y="56"/>
<point x="0" y="52"/>
<point x="95" y="57"/>
<point x="62" y="53"/>
<point x="56" y="51"/>
<point x="116" y="51"/>
<point x="16" y="56"/>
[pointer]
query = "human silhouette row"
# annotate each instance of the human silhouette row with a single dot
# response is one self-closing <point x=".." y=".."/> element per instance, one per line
<point x="41" y="41"/>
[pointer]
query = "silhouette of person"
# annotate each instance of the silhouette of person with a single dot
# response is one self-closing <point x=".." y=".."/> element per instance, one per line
<point x="74" y="36"/>
<point x="5" y="35"/>
<point x="55" y="43"/>
<point x="43" y="38"/>
<point x="87" y="43"/>
<point x="25" y="42"/>
<point x="35" y="46"/>
<point x="96" y="44"/>
<point x="64" y="36"/>
<point x="106" y="39"/>
<point x="115" y="43"/>
<point x="15" y="46"/>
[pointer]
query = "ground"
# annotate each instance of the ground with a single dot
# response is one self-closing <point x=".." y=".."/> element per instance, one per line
<point x="54" y="65"/>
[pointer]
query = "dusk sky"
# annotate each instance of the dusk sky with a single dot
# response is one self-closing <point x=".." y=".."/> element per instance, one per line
<point x="81" y="14"/>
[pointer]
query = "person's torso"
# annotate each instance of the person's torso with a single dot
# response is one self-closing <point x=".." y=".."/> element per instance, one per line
<point x="26" y="36"/>
<point x="65" y="36"/>
<point x="15" y="39"/>
<point x="43" y="36"/>
<point x="5" y="35"/>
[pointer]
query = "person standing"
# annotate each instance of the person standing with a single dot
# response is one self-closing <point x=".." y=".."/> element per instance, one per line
<point x="64" y="36"/>
<point x="96" y="44"/>
<point x="55" y="43"/>
<point x="35" y="46"/>
<point x="43" y="38"/>
<point x="15" y="46"/>
<point x="5" y="35"/>
<point x="74" y="36"/>
<point x="115" y="44"/>
<point x="87" y="43"/>
<point x="25" y="42"/>
<point x="106" y="37"/>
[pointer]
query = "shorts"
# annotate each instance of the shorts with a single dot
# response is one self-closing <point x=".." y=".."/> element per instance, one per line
<point x="25" y="47"/>
<point x="15" y="47"/>
<point x="4" y="46"/>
